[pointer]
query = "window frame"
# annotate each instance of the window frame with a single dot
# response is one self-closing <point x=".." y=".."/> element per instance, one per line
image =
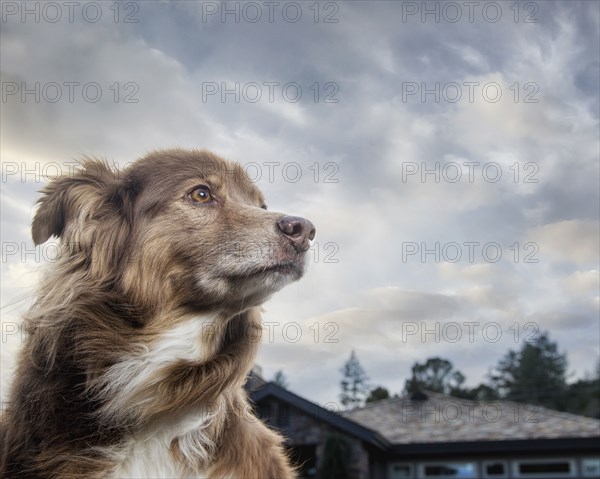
<point x="504" y="462"/>
<point x="544" y="475"/>
<point x="421" y="468"/>
<point x="596" y="460"/>
<point x="411" y="469"/>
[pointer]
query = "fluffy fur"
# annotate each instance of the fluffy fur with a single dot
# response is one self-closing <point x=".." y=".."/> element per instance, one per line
<point x="144" y="331"/>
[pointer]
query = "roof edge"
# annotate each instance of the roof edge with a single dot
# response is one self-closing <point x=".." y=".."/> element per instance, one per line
<point x="516" y="446"/>
<point x="346" y="425"/>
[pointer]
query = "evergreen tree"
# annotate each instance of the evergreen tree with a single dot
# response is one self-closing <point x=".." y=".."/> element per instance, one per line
<point x="354" y="383"/>
<point x="536" y="374"/>
<point x="583" y="396"/>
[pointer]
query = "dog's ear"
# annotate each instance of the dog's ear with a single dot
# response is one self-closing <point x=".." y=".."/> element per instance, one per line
<point x="69" y="198"/>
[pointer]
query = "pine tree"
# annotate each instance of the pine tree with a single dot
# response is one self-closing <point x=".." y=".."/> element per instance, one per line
<point x="354" y="383"/>
<point x="536" y="374"/>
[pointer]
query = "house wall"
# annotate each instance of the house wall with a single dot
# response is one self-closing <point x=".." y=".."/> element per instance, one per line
<point x="580" y="466"/>
<point x="302" y="429"/>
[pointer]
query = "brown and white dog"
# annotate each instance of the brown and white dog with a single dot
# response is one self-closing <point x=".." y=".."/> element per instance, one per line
<point x="146" y="327"/>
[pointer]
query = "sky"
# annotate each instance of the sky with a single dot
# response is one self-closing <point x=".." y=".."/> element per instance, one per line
<point x="447" y="153"/>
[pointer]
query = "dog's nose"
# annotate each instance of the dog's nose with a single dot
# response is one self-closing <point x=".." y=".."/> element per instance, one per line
<point x="299" y="230"/>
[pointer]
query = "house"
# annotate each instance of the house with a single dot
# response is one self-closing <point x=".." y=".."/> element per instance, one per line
<point x="430" y="435"/>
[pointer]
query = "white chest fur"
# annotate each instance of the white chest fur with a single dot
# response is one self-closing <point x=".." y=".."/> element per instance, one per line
<point x="132" y="380"/>
<point x="148" y="454"/>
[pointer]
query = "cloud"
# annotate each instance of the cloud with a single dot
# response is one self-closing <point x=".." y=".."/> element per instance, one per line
<point x="410" y="304"/>
<point x="480" y="272"/>
<point x="563" y="320"/>
<point x="392" y="156"/>
<point x="571" y="240"/>
<point x="583" y="283"/>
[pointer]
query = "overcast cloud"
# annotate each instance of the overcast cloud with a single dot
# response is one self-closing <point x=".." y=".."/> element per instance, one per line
<point x="450" y="164"/>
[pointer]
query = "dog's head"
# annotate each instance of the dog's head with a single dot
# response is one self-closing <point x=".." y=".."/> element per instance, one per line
<point x="177" y="227"/>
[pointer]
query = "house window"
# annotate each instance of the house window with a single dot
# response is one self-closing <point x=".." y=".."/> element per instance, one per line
<point x="449" y="470"/>
<point x="495" y="469"/>
<point x="400" y="471"/>
<point x="590" y="467"/>
<point x="545" y="468"/>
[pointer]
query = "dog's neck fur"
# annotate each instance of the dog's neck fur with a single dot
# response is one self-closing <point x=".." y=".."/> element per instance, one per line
<point x="190" y="420"/>
<point x="74" y="384"/>
<point x="161" y="376"/>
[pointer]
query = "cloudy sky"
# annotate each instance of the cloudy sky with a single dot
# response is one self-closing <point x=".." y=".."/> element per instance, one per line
<point x="447" y="153"/>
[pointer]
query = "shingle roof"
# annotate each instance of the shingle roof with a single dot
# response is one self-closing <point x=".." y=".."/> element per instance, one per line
<point x="443" y="418"/>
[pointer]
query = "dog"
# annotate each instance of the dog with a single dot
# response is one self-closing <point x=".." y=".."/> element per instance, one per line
<point x="145" y="328"/>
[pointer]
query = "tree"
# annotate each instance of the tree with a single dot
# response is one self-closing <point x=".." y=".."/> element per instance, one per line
<point x="583" y="396"/>
<point x="483" y="392"/>
<point x="378" y="394"/>
<point x="536" y="374"/>
<point x="437" y="375"/>
<point x="336" y="458"/>
<point x="354" y="383"/>
<point x="280" y="379"/>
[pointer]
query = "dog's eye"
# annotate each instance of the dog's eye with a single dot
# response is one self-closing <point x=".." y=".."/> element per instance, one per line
<point x="200" y="194"/>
